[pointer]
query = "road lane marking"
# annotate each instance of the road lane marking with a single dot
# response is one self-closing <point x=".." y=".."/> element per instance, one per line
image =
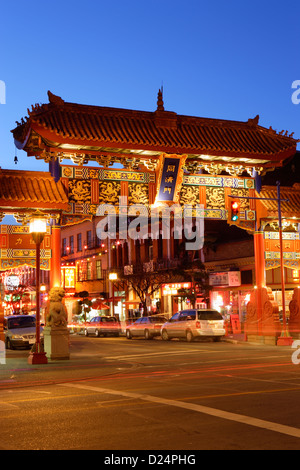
<point x="242" y="419"/>
<point x="7" y="406"/>
<point x="163" y="353"/>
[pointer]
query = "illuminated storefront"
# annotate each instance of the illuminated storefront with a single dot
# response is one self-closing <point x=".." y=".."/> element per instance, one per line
<point x="228" y="295"/>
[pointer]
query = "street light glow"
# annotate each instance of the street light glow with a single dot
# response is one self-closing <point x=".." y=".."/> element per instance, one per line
<point x="38" y="225"/>
<point x="113" y="276"/>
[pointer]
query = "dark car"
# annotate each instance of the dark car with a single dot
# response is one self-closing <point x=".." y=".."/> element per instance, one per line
<point x="146" y="327"/>
<point x="106" y="326"/>
<point x="20" y="331"/>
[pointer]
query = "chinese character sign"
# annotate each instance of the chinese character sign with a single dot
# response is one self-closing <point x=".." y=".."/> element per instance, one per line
<point x="170" y="178"/>
<point x="68" y="277"/>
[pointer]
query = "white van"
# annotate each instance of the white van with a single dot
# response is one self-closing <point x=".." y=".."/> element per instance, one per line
<point x="191" y="324"/>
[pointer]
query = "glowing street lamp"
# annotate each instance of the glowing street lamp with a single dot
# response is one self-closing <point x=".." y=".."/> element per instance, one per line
<point x="38" y="228"/>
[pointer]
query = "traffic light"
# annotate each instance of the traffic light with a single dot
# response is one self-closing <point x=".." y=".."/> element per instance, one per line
<point x="235" y="211"/>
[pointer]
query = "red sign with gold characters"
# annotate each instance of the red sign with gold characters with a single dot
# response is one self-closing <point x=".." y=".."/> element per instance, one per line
<point x="172" y="289"/>
<point x="291" y="250"/>
<point x="68" y="277"/>
<point x="17" y="248"/>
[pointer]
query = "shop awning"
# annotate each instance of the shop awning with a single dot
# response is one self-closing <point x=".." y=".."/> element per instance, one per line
<point x="132" y="302"/>
<point x="99" y="305"/>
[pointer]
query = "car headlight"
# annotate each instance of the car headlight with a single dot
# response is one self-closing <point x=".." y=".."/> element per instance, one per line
<point x="17" y="337"/>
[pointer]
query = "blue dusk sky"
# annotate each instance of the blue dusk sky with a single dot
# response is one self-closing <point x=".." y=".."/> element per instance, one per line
<point x="222" y="59"/>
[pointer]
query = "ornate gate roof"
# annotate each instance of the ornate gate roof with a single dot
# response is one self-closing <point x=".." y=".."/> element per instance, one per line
<point x="23" y="192"/>
<point x="107" y="135"/>
<point x="290" y="208"/>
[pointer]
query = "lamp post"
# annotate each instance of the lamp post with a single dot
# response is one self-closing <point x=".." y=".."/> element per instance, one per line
<point x="38" y="228"/>
<point x="42" y="292"/>
<point x="113" y="277"/>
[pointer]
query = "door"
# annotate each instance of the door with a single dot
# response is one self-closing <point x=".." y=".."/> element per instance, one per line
<point x="173" y="324"/>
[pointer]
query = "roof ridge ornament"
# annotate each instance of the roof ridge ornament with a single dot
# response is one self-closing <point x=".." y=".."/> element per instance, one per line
<point x="54" y="99"/>
<point x="164" y="119"/>
<point x="254" y="121"/>
<point x="160" y="102"/>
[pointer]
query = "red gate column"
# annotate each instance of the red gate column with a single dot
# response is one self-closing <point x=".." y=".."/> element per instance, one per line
<point x="262" y="322"/>
<point x="253" y="325"/>
<point x="260" y="275"/>
<point x="55" y="274"/>
<point x="260" y="267"/>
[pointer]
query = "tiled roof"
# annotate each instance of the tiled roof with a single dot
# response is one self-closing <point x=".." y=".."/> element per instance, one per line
<point x="31" y="189"/>
<point x="60" y="122"/>
<point x="289" y="209"/>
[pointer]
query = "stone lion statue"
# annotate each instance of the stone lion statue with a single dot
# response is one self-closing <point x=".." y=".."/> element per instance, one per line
<point x="56" y="313"/>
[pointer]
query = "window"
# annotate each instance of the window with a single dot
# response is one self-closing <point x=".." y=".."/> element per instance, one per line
<point x="71" y="244"/>
<point x="64" y="246"/>
<point x="120" y="256"/>
<point x="187" y="315"/>
<point x="21" y="322"/>
<point x="98" y="269"/>
<point x="126" y="257"/>
<point x="150" y="249"/>
<point x="160" y="246"/>
<point x="108" y="320"/>
<point x="113" y="257"/>
<point x="175" y="317"/>
<point x="212" y="315"/>
<point x="158" y="319"/>
<point x="89" y="238"/>
<point x="89" y="270"/>
<point x="138" y="251"/>
<point x="246" y="277"/>
<point x="79" y="242"/>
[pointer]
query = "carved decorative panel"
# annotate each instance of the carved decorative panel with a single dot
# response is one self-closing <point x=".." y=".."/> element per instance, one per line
<point x="215" y="198"/>
<point x="109" y="192"/>
<point x="138" y="193"/>
<point x="189" y="195"/>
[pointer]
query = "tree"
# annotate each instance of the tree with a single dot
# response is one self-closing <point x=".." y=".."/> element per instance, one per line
<point x="193" y="271"/>
<point x="84" y="304"/>
<point x="145" y="283"/>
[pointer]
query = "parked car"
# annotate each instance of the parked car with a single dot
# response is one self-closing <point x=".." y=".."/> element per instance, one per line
<point x="20" y="331"/>
<point x="103" y="326"/>
<point x="191" y="324"/>
<point x="146" y="327"/>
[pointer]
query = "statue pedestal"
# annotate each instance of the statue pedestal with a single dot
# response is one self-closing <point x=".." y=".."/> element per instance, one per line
<point x="262" y="322"/>
<point x="294" y="321"/>
<point x="56" y="342"/>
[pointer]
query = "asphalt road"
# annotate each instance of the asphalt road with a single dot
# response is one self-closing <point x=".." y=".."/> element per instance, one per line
<point x="116" y="394"/>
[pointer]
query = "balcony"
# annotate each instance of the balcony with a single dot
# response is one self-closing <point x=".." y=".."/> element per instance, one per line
<point x="151" y="266"/>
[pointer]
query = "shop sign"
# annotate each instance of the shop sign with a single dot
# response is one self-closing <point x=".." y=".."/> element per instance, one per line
<point x="68" y="277"/>
<point x="225" y="279"/>
<point x="169" y="178"/>
<point x="235" y="324"/>
<point x="234" y="278"/>
<point x="172" y="289"/>
<point x="12" y="282"/>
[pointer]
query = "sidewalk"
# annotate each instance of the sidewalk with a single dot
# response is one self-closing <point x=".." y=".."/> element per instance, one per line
<point x="236" y="338"/>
